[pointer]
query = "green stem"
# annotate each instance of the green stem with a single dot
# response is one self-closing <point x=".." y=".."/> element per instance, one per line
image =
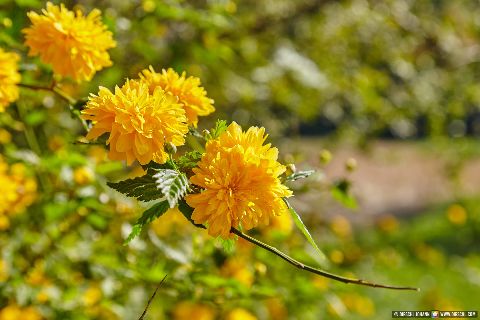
<point x="312" y="269"/>
<point x="32" y="141"/>
<point x="63" y="95"/>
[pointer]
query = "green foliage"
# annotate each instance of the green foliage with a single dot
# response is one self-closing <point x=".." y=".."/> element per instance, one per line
<point x="187" y="212"/>
<point x="152" y="213"/>
<point x="299" y="175"/>
<point x="189" y="160"/>
<point x="220" y="127"/>
<point x="303" y="228"/>
<point x="143" y="188"/>
<point x="341" y="191"/>
<point x="173" y="185"/>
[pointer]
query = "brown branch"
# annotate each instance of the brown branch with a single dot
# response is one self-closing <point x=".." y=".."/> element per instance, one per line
<point x="312" y="269"/>
<point x="151" y="299"/>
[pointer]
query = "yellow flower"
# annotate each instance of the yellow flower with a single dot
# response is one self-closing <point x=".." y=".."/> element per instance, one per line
<point x="139" y="123"/>
<point x="75" y="45"/>
<point x="17" y="191"/>
<point x="240" y="314"/>
<point x="239" y="176"/>
<point x="188" y="310"/>
<point x="9" y="77"/>
<point x="188" y="91"/>
<point x="236" y="268"/>
<point x="13" y="312"/>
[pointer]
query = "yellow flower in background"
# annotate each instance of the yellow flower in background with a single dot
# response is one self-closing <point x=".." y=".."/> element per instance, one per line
<point x="457" y="214"/>
<point x="17" y="191"/>
<point x="237" y="268"/>
<point x="14" y="312"/>
<point x="188" y="311"/>
<point x="240" y="314"/>
<point x="139" y="123"/>
<point x="188" y="91"/>
<point x="75" y="45"/>
<point x="239" y="175"/>
<point x="9" y="78"/>
<point x="171" y="222"/>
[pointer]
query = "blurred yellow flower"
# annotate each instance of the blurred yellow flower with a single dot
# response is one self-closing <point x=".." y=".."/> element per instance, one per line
<point x="139" y="123"/>
<point x="240" y="314"/>
<point x="282" y="223"/>
<point x="172" y="221"/>
<point x="341" y="226"/>
<point x="362" y="305"/>
<point x="83" y="175"/>
<point x="75" y="45"/>
<point x="239" y="176"/>
<point x="276" y="309"/>
<point x="188" y="91"/>
<point x="92" y="296"/>
<point x="457" y="214"/>
<point x="5" y="136"/>
<point x="237" y="268"/>
<point x="9" y="78"/>
<point x="14" y="312"/>
<point x="17" y="191"/>
<point x="188" y="311"/>
<point x="4" y="272"/>
<point x="388" y="223"/>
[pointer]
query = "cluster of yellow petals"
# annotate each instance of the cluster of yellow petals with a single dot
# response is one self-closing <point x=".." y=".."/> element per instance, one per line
<point x="9" y="78"/>
<point x="12" y="311"/>
<point x="140" y="123"/>
<point x="239" y="176"/>
<point x="17" y="191"/>
<point x="75" y="45"/>
<point x="188" y="91"/>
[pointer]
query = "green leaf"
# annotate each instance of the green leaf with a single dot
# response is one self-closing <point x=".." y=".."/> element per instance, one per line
<point x="142" y="188"/>
<point x="220" y="127"/>
<point x="189" y="160"/>
<point x="300" y="175"/>
<point x="148" y="216"/>
<point x="187" y="211"/>
<point x="300" y="225"/>
<point x="341" y="191"/>
<point x="173" y="184"/>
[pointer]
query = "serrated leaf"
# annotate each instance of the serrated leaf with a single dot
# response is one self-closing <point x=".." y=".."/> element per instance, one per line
<point x="189" y="160"/>
<point x="300" y="225"/>
<point x="172" y="184"/>
<point x="300" y="175"/>
<point x="148" y="216"/>
<point x="142" y="188"/>
<point x="187" y="211"/>
<point x="341" y="191"/>
<point x="220" y="127"/>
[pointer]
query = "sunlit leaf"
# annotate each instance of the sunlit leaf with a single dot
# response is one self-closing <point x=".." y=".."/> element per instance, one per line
<point x="172" y="184"/>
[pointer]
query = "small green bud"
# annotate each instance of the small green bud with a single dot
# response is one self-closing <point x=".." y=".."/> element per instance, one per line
<point x="291" y="169"/>
<point x="351" y="164"/>
<point x="325" y="156"/>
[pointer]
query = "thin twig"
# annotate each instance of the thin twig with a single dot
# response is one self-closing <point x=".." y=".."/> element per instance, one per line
<point x="151" y="298"/>
<point x="63" y="95"/>
<point x="312" y="269"/>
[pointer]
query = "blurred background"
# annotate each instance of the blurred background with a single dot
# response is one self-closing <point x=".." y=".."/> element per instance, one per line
<point x="381" y="98"/>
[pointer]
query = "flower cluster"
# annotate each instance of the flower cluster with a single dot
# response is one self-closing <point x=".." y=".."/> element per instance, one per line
<point x="9" y="78"/>
<point x="239" y="176"/>
<point x="140" y="123"/>
<point x="188" y="91"/>
<point x="17" y="191"/>
<point x="75" y="45"/>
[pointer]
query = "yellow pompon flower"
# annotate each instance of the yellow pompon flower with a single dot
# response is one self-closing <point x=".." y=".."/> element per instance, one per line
<point x="188" y="91"/>
<point x="239" y="176"/>
<point x="139" y="123"/>
<point x="75" y="45"/>
<point x="9" y="77"/>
